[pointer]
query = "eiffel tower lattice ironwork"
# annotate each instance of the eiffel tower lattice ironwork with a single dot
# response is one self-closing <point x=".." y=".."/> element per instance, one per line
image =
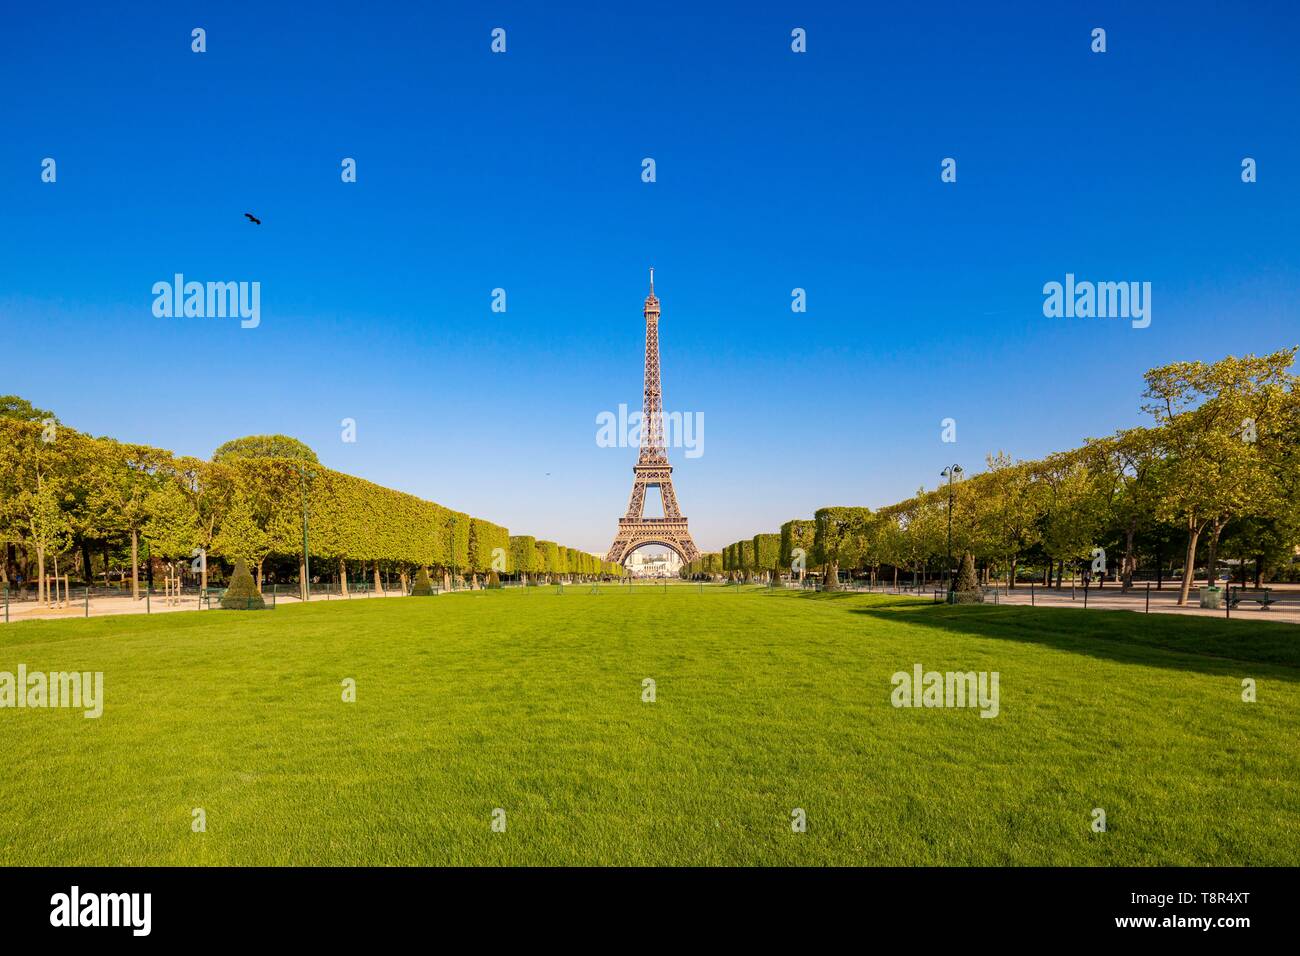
<point x="652" y="469"/>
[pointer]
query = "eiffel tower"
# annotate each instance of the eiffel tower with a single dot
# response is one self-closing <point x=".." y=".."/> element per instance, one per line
<point x="652" y="469"/>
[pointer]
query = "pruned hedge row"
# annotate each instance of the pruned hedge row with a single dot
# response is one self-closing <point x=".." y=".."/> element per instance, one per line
<point x="63" y="490"/>
<point x="352" y="519"/>
<point x="706" y="566"/>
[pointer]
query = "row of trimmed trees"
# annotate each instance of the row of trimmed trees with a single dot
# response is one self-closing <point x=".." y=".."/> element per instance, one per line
<point x="105" y="502"/>
<point x="535" y="560"/>
<point x="1215" y="476"/>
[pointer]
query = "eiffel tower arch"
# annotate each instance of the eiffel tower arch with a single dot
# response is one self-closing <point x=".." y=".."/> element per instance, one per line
<point x="652" y="469"/>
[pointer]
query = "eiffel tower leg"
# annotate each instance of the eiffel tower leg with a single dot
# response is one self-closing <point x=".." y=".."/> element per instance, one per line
<point x="618" y="551"/>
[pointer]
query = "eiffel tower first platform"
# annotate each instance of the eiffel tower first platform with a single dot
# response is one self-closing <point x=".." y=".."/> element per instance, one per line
<point x="652" y="469"/>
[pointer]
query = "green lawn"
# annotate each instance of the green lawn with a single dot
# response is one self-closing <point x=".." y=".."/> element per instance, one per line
<point x="531" y="702"/>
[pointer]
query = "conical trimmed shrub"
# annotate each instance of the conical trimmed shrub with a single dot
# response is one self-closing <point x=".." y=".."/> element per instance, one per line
<point x="493" y="581"/>
<point x="242" y="594"/>
<point x="966" y="589"/>
<point x="423" y="587"/>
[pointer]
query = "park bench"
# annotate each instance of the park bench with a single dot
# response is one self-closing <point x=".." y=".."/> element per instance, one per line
<point x="1261" y="596"/>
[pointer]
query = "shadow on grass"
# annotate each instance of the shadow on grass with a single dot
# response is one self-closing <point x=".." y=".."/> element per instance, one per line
<point x="1207" y="645"/>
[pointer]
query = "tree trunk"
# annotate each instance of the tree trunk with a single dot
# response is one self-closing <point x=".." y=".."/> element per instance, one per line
<point x="1212" y="559"/>
<point x="1189" y="565"/>
<point x="1259" y="570"/>
<point x="303" y="583"/>
<point x="379" y="582"/>
<point x="832" y="577"/>
<point x="41" y="589"/>
<point x="343" y="577"/>
<point x="259" y="574"/>
<point x="405" y="583"/>
<point x="135" y="565"/>
<point x="1129" y="561"/>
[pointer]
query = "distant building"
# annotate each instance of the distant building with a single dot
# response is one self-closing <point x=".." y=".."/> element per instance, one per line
<point x="642" y="565"/>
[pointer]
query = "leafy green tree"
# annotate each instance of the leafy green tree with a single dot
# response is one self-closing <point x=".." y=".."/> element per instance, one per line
<point x="1269" y="543"/>
<point x="924" y="524"/>
<point x="207" y="487"/>
<point x="457" y="555"/>
<point x="1011" y="505"/>
<point x="242" y="537"/>
<point x="47" y="525"/>
<point x="797" y="540"/>
<point x="836" y="541"/>
<point x="121" y="478"/>
<point x="744" y="558"/>
<point x="523" y="555"/>
<point x="869" y="544"/>
<point x="1215" y="470"/>
<point x="262" y="514"/>
<point x="31" y="511"/>
<point x="548" y="553"/>
<point x="766" y="549"/>
<point x="486" y="540"/>
<point x="474" y="562"/>
<point x="1128" y="467"/>
<point x="171" y="527"/>
<point x="264" y="446"/>
<point x="11" y="406"/>
<point x="1070" y="520"/>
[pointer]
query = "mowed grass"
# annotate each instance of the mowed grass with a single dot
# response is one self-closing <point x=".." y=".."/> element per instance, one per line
<point x="532" y="702"/>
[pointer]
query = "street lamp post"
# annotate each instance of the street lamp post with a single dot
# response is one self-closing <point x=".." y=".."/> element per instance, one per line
<point x="951" y="472"/>
<point x="306" y="554"/>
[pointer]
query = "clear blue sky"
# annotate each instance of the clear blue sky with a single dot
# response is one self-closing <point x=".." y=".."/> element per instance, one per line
<point x="522" y="170"/>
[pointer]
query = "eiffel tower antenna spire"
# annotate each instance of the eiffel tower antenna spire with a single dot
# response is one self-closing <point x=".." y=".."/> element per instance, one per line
<point x="652" y="469"/>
